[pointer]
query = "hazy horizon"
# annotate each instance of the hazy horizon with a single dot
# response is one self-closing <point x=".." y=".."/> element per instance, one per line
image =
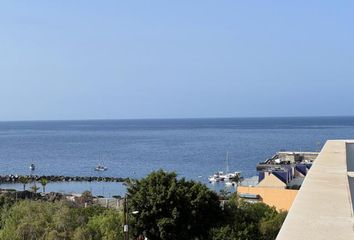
<point x="174" y="118"/>
<point x="166" y="60"/>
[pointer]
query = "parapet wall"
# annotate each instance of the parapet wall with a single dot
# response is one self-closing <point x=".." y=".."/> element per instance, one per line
<point x="323" y="208"/>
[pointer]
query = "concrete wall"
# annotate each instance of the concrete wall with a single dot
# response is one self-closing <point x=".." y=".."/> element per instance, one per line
<point x="323" y="206"/>
<point x="350" y="169"/>
<point x="350" y="157"/>
<point x="281" y="199"/>
<point x="295" y="156"/>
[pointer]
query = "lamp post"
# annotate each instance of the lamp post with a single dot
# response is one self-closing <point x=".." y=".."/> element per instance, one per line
<point x="125" y="227"/>
<point x="126" y="219"/>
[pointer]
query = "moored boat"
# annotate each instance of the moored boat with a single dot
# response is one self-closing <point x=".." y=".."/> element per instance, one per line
<point x="101" y="168"/>
<point x="32" y="167"/>
<point x="227" y="176"/>
<point x="217" y="177"/>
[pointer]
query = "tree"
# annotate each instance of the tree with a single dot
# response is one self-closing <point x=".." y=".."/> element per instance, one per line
<point x="26" y="220"/>
<point x="43" y="182"/>
<point x="224" y="194"/>
<point x="222" y="233"/>
<point x="270" y="226"/>
<point x="171" y="208"/>
<point x="34" y="188"/>
<point x="107" y="226"/>
<point x="86" y="197"/>
<point x="24" y="180"/>
<point x="82" y="233"/>
<point x="247" y="221"/>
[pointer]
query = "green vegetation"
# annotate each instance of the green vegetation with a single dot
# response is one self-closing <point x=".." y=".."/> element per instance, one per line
<point x="34" y="188"/>
<point x="24" y="180"/>
<point x="30" y="219"/>
<point x="169" y="208"/>
<point x="44" y="183"/>
<point x="160" y="206"/>
<point x="248" y="221"/>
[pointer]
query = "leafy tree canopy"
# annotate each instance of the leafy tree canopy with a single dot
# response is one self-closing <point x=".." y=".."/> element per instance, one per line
<point x="172" y="208"/>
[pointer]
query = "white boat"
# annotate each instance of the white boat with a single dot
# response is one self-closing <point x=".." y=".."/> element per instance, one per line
<point x="101" y="168"/>
<point x="217" y="177"/>
<point x="232" y="176"/>
<point x="229" y="184"/>
<point x="227" y="176"/>
<point x="32" y="167"/>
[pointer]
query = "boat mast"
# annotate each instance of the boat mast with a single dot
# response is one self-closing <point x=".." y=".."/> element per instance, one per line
<point x="227" y="162"/>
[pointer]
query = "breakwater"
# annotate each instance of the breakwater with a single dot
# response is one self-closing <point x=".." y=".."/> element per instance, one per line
<point x="55" y="178"/>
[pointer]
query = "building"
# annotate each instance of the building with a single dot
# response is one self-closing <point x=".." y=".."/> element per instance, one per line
<point x="279" y="198"/>
<point x="278" y="179"/>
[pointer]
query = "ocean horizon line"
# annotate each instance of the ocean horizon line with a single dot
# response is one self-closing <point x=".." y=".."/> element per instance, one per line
<point x="176" y="118"/>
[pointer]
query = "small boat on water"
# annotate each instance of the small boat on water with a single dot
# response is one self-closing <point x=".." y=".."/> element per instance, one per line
<point x="217" y="177"/>
<point x="232" y="176"/>
<point x="100" y="168"/>
<point x="230" y="184"/>
<point x="227" y="177"/>
<point x="32" y="167"/>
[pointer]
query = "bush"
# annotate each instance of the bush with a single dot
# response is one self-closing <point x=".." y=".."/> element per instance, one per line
<point x="243" y="220"/>
<point x="30" y="219"/>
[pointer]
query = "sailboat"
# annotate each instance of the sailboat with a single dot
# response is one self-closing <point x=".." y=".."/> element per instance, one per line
<point x="227" y="176"/>
<point x="100" y="167"/>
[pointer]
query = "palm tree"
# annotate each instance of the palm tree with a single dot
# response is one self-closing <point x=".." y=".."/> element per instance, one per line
<point x="34" y="188"/>
<point x="24" y="180"/>
<point x="44" y="182"/>
<point x="237" y="179"/>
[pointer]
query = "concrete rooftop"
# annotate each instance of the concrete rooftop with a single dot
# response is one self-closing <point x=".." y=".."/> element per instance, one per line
<point x="323" y="208"/>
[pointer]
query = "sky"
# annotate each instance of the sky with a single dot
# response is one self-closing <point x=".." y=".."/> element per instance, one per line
<point x="175" y="59"/>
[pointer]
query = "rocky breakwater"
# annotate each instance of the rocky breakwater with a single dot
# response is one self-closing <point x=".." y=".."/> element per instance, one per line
<point x="55" y="178"/>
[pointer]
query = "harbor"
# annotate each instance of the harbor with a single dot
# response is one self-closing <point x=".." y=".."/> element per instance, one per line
<point x="286" y="169"/>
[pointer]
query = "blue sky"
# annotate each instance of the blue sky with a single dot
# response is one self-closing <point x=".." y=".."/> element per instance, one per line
<point x="171" y="59"/>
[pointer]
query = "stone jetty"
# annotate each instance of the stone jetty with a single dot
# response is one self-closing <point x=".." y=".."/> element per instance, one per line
<point x="56" y="178"/>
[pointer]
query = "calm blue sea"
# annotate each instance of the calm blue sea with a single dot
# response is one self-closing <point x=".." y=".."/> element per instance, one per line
<point x="194" y="148"/>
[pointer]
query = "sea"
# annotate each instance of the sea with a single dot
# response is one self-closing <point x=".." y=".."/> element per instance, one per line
<point x="193" y="148"/>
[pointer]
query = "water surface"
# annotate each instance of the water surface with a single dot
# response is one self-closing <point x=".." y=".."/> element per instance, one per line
<point x="194" y="148"/>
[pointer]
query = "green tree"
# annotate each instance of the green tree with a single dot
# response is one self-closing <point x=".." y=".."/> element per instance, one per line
<point x="25" y="220"/>
<point x="222" y="233"/>
<point x="34" y="188"/>
<point x="171" y="208"/>
<point x="44" y="183"/>
<point x="106" y="226"/>
<point x="247" y="221"/>
<point x="82" y="233"/>
<point x="7" y="199"/>
<point x="224" y="194"/>
<point x="270" y="226"/>
<point x="37" y="220"/>
<point x="24" y="180"/>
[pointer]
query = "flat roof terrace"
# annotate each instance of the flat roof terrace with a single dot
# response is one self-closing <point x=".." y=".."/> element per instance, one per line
<point x="323" y="208"/>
